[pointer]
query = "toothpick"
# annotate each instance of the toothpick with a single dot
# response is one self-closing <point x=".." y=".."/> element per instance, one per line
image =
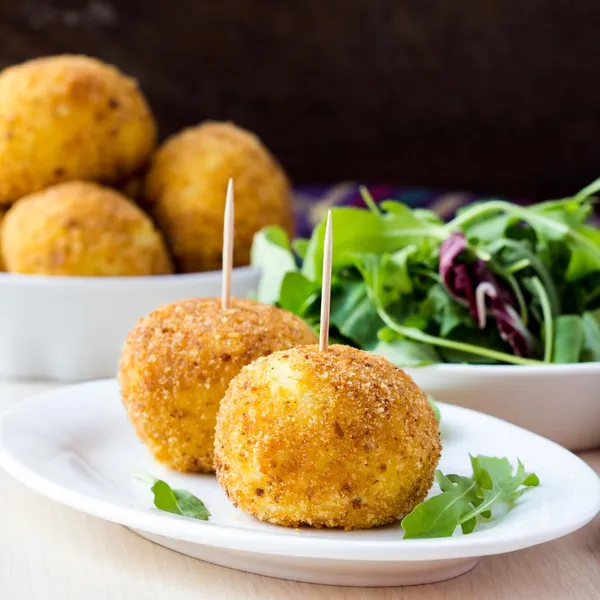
<point x="227" y="247"/>
<point x="326" y="285"/>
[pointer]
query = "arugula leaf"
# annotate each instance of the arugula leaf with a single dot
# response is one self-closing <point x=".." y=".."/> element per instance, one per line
<point x="298" y="293"/>
<point x="300" y="246"/>
<point x="354" y="314"/>
<point x="177" y="502"/>
<point x="271" y="253"/>
<point x="369" y="200"/>
<point x="427" y="216"/>
<point x="548" y="323"/>
<point x="397" y="269"/>
<point x="441" y="307"/>
<point x="513" y="251"/>
<point x="464" y="501"/>
<point x="439" y="516"/>
<point x="588" y="191"/>
<point x="364" y="231"/>
<point x="568" y="339"/>
<point x="404" y="353"/>
<point x="486" y="338"/>
<point x="591" y="336"/>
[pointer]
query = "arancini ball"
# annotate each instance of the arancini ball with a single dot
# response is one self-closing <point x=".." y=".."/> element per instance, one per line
<point x="340" y="438"/>
<point x="81" y="228"/>
<point x="186" y="184"/>
<point x="66" y="118"/>
<point x="178" y="361"/>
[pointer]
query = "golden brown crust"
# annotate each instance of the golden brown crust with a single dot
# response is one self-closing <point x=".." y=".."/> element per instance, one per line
<point x="178" y="361"/>
<point x="340" y="438"/>
<point x="186" y="186"/>
<point x="69" y="117"/>
<point x="81" y="228"/>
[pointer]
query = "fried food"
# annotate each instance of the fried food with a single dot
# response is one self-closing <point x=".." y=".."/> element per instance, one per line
<point x="340" y="438"/>
<point x="186" y="186"/>
<point x="69" y="117"/>
<point x="178" y="361"/>
<point x="81" y="228"/>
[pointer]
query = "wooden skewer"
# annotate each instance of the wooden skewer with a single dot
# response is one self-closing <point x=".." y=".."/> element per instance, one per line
<point x="326" y="285"/>
<point x="227" y="248"/>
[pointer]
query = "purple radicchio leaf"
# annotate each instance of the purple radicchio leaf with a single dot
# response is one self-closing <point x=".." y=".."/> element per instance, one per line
<point x="454" y="274"/>
<point x="473" y="284"/>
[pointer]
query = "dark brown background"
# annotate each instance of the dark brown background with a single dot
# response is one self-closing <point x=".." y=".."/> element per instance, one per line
<point x="495" y="96"/>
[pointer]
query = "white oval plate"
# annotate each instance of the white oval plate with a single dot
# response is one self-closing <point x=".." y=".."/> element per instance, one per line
<point x="76" y="446"/>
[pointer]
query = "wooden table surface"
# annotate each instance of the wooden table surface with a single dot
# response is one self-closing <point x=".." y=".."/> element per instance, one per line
<point x="50" y="552"/>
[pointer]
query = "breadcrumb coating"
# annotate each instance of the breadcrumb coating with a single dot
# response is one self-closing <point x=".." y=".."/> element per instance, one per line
<point x="186" y="187"/>
<point x="81" y="228"/>
<point x="178" y="361"/>
<point x="70" y="117"/>
<point x="340" y="438"/>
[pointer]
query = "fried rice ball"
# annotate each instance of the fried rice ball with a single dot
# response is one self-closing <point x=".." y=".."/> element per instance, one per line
<point x="340" y="438"/>
<point x="69" y="117"/>
<point x="178" y="361"/>
<point x="186" y="186"/>
<point x="81" y="228"/>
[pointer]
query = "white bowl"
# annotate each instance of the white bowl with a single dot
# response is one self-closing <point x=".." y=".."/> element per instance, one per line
<point x="560" y="402"/>
<point x="73" y="328"/>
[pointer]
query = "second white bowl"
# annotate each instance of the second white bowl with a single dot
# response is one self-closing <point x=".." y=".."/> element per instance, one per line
<point x="560" y="402"/>
<point x="73" y="328"/>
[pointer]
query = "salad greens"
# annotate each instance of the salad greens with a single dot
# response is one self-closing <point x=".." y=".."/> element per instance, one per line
<point x="177" y="502"/>
<point x="500" y="283"/>
<point x="466" y="501"/>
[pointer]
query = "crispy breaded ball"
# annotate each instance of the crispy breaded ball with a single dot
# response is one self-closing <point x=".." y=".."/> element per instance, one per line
<point x="340" y="438"/>
<point x="186" y="186"/>
<point x="69" y="117"/>
<point x="81" y="228"/>
<point x="178" y="361"/>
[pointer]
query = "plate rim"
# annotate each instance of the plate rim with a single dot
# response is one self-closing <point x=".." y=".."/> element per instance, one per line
<point x="273" y="543"/>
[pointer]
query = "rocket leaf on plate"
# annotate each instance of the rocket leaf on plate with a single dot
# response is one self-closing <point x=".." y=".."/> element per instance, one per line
<point x="177" y="502"/>
<point x="466" y="501"/>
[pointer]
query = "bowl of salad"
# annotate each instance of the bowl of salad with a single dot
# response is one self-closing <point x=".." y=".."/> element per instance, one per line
<point x="497" y="309"/>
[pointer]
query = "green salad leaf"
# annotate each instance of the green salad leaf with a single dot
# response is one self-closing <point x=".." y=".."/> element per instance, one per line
<point x="498" y="284"/>
<point x="590" y="322"/>
<point x="271" y="250"/>
<point x="177" y="502"/>
<point x="361" y="230"/>
<point x="297" y="293"/>
<point x="468" y="501"/>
